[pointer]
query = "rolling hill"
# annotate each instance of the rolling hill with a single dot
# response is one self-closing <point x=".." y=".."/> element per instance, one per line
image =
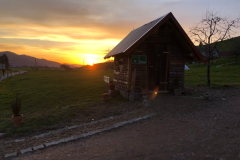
<point x="25" y="60"/>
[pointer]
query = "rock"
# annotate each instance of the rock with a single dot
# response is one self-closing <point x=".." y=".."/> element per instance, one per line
<point x="59" y="130"/>
<point x="146" y="117"/>
<point x="96" y="131"/>
<point x="72" y="127"/>
<point x="87" y="134"/>
<point x="50" y="144"/>
<point x="69" y="139"/>
<point x="131" y="121"/>
<point x="2" y="135"/>
<point x="78" y="137"/>
<point x="19" y="140"/>
<point x="38" y="147"/>
<point x="26" y="150"/>
<point x="11" y="155"/>
<point x="60" y="141"/>
<point x="110" y="128"/>
<point x="40" y="136"/>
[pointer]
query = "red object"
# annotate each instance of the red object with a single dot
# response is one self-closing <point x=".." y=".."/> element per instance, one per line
<point x="17" y="120"/>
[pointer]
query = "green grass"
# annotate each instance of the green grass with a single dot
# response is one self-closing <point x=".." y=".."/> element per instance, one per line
<point x="219" y="76"/>
<point x="227" y="45"/>
<point x="49" y="96"/>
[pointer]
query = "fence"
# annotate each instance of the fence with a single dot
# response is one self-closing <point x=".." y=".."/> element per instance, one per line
<point x="8" y="75"/>
<point x="227" y="64"/>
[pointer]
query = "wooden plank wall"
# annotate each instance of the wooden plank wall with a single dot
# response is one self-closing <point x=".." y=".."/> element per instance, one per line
<point x="176" y="61"/>
<point x="120" y="78"/>
<point x="141" y="69"/>
<point x="176" y="66"/>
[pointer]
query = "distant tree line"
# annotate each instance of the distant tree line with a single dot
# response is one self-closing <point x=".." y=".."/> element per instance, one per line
<point x="65" y="66"/>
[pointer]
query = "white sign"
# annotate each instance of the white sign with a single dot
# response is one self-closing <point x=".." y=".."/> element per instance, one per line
<point x="2" y="66"/>
<point x="106" y="79"/>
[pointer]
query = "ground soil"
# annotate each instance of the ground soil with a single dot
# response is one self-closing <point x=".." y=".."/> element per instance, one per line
<point x="184" y="128"/>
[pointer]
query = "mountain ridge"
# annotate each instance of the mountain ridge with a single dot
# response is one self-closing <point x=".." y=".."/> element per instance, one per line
<point x="25" y="60"/>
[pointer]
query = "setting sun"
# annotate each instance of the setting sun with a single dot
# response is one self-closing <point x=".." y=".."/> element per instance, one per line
<point x="90" y="62"/>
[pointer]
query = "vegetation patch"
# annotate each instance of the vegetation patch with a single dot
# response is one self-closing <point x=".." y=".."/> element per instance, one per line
<point x="49" y="97"/>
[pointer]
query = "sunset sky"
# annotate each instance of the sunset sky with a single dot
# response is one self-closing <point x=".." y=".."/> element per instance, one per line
<point x="70" y="31"/>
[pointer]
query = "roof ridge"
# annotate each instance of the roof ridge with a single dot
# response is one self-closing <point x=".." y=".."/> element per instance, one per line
<point x="134" y="36"/>
<point x="152" y="21"/>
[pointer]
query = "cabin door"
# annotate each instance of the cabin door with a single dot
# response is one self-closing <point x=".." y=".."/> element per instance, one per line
<point x="158" y="71"/>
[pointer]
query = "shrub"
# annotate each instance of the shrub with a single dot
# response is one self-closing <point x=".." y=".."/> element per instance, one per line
<point x="16" y="106"/>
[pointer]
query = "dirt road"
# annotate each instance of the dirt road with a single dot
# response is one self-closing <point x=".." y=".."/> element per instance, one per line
<point x="184" y="128"/>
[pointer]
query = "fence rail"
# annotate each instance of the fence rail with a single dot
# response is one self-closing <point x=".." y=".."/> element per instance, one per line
<point x="8" y="75"/>
<point x="226" y="64"/>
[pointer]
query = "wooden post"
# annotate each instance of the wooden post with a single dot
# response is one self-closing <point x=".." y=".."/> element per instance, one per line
<point x="129" y="73"/>
<point x="167" y="61"/>
<point x="107" y="88"/>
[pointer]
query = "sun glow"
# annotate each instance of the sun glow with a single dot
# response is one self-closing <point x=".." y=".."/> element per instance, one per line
<point x="90" y="62"/>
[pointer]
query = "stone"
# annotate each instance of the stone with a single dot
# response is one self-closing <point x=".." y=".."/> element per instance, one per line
<point x="103" y="120"/>
<point x="39" y="136"/>
<point x="152" y="114"/>
<point x="11" y="155"/>
<point x="146" y="117"/>
<point x="131" y="121"/>
<point x="119" y="124"/>
<point x="48" y="133"/>
<point x="38" y="147"/>
<point x="78" y="137"/>
<point x="26" y="150"/>
<point x="87" y="134"/>
<point x="138" y="119"/>
<point x="19" y="140"/>
<point x="72" y="127"/>
<point x="109" y="128"/>
<point x="9" y="141"/>
<point x="50" y="144"/>
<point x="89" y="123"/>
<point x="59" y="130"/>
<point x="60" y="141"/>
<point x="69" y="139"/>
<point x="96" y="131"/>
<point x="2" y="135"/>
<point x="125" y="122"/>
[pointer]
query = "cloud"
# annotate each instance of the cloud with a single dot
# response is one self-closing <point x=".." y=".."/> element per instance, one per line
<point x="65" y="28"/>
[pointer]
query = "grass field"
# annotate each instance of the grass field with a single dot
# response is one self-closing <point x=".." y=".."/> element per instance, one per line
<point x="49" y="96"/>
<point x="219" y="76"/>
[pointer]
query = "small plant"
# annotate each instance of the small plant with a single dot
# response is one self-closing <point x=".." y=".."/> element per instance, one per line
<point x="16" y="107"/>
<point x="176" y="82"/>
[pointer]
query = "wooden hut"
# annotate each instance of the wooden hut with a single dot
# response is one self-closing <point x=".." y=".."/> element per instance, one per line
<point x="153" y="55"/>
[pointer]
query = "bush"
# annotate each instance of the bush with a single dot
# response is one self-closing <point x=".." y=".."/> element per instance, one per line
<point x="16" y="106"/>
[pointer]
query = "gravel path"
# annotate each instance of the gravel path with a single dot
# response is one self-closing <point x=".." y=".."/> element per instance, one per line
<point x="11" y="147"/>
<point x="185" y="128"/>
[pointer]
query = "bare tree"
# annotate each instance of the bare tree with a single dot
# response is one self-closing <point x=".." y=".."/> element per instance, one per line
<point x="211" y="30"/>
